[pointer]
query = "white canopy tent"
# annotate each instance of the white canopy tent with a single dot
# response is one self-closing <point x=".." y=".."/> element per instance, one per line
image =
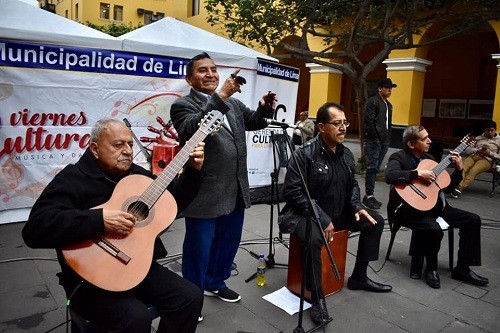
<point x="175" y="38"/>
<point x="22" y="21"/>
<point x="60" y="91"/>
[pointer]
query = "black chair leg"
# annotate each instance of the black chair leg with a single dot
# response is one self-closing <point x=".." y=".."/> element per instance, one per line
<point x="391" y="242"/>
<point x="451" y="248"/>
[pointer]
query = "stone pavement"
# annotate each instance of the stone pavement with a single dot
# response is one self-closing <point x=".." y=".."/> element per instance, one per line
<point x="32" y="301"/>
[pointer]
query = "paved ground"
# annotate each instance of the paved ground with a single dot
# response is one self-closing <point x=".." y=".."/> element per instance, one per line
<point x="32" y="301"/>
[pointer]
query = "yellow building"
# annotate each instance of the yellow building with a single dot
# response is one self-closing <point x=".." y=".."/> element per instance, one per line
<point x="450" y="87"/>
<point x="103" y="12"/>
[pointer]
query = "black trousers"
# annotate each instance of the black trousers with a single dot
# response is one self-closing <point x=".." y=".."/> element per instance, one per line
<point x="179" y="304"/>
<point x="427" y="234"/>
<point x="368" y="245"/>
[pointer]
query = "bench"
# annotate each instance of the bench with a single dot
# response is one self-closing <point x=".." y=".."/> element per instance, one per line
<point x="494" y="180"/>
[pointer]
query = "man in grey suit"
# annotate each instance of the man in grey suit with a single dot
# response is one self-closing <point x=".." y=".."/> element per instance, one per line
<point x="214" y="219"/>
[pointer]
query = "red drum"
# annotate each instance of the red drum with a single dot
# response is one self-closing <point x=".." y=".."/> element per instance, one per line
<point x="162" y="155"/>
<point x="330" y="285"/>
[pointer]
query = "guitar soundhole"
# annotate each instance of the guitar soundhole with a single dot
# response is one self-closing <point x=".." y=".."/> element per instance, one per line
<point x="139" y="209"/>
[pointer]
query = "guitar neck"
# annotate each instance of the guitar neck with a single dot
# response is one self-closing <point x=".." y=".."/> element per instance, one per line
<point x="156" y="189"/>
<point x="441" y="166"/>
<point x="180" y="159"/>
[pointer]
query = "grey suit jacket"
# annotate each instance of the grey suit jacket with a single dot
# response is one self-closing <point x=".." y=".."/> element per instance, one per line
<point x="226" y="174"/>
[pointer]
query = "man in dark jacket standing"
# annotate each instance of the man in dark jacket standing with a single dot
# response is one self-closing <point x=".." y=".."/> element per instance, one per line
<point x="66" y="214"/>
<point x="214" y="220"/>
<point x="377" y="126"/>
<point x="328" y="168"/>
<point x="403" y="168"/>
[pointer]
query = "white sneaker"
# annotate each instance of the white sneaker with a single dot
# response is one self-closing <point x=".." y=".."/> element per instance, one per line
<point x="226" y="294"/>
<point x="456" y="193"/>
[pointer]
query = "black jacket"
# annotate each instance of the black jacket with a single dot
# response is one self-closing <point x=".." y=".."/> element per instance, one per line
<point x="330" y="179"/>
<point x="63" y="213"/>
<point x="375" y="119"/>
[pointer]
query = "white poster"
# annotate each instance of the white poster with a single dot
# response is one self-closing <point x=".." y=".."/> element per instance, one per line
<point x="284" y="81"/>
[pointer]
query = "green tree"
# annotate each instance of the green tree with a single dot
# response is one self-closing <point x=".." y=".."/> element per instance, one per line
<point x="346" y="28"/>
<point x="114" y="29"/>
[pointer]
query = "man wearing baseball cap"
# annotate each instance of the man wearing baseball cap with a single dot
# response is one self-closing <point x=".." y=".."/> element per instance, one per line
<point x="377" y="127"/>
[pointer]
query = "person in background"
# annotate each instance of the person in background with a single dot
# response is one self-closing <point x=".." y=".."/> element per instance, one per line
<point x="214" y="220"/>
<point x="426" y="231"/>
<point x="64" y="215"/>
<point x="480" y="156"/>
<point x="377" y="127"/>
<point x="328" y="168"/>
<point x="304" y="130"/>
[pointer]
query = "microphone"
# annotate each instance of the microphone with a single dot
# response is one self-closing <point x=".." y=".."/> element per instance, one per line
<point x="278" y="123"/>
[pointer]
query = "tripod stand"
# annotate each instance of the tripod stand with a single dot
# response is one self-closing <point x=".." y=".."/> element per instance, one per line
<point x="280" y="149"/>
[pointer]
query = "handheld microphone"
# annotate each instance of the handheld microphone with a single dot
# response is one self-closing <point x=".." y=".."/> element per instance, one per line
<point x="278" y="123"/>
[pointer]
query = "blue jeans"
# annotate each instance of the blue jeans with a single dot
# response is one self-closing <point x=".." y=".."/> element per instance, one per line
<point x="374" y="156"/>
<point x="209" y="248"/>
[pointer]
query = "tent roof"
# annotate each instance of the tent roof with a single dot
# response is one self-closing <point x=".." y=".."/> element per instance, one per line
<point x="22" y="21"/>
<point x="173" y="37"/>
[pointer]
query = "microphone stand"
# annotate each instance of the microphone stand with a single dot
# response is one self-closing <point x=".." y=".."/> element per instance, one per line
<point x="270" y="262"/>
<point x="311" y="216"/>
<point x="139" y="143"/>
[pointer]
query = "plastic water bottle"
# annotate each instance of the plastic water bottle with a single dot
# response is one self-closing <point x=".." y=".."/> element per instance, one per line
<point x="261" y="271"/>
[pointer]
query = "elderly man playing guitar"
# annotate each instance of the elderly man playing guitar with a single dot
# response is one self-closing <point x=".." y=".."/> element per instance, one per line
<point x="417" y="192"/>
<point x="107" y="247"/>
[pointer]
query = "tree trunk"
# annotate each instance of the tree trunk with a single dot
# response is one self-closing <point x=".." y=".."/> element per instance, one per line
<point x="360" y="96"/>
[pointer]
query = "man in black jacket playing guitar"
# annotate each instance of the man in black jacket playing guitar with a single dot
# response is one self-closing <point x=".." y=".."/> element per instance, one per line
<point x="403" y="172"/>
<point x="66" y="214"/>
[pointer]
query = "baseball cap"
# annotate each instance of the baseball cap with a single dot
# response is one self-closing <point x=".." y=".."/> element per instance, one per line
<point x="386" y="83"/>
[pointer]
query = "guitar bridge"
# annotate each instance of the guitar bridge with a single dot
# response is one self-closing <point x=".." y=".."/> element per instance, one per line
<point x="113" y="250"/>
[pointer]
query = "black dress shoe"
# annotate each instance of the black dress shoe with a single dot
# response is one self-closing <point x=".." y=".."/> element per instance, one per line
<point x="368" y="285"/>
<point x="319" y="312"/>
<point x="470" y="277"/>
<point x="417" y="263"/>
<point x="432" y="279"/>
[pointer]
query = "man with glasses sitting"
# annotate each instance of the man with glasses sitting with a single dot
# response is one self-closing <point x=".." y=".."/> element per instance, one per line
<point x="328" y="168"/>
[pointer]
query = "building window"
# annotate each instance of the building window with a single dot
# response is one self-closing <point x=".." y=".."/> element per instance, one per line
<point x="196" y="7"/>
<point x="104" y="11"/>
<point x="76" y="12"/>
<point x="148" y="17"/>
<point x="118" y="13"/>
<point x="66" y="14"/>
<point x="158" y="16"/>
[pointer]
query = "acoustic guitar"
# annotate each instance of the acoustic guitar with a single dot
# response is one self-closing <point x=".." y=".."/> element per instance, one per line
<point x="115" y="262"/>
<point x="423" y="195"/>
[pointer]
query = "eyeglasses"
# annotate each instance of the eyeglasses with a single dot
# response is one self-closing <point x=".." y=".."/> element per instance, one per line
<point x="338" y="123"/>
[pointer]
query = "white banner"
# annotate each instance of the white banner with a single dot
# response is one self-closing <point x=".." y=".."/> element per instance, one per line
<point x="284" y="81"/>
<point x="50" y="97"/>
